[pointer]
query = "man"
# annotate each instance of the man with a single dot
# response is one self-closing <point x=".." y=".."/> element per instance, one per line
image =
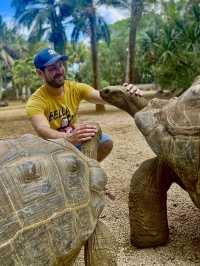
<point x="53" y="108"/>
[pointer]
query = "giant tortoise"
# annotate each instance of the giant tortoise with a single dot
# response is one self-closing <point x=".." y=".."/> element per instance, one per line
<point x="51" y="197"/>
<point x="172" y="129"/>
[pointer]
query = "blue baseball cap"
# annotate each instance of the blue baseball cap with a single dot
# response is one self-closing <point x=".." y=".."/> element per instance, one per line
<point x="46" y="57"/>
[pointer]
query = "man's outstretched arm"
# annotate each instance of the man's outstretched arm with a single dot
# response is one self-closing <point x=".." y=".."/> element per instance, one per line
<point x="79" y="135"/>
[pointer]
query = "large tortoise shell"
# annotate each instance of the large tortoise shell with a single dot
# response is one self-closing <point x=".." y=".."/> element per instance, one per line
<point x="51" y="197"/>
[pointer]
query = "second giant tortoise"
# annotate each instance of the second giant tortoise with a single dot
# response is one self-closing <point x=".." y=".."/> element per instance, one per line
<point x="172" y="129"/>
<point x="51" y="197"/>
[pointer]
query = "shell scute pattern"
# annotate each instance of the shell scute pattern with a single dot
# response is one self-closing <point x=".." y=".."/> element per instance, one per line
<point x="49" y="209"/>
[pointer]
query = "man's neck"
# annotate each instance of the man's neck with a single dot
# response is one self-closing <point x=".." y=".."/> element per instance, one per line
<point x="55" y="91"/>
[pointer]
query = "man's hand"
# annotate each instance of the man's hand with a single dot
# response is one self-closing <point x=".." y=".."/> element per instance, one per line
<point x="132" y="89"/>
<point x="81" y="133"/>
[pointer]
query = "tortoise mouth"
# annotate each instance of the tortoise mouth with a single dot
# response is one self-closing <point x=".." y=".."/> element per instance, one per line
<point x="119" y="97"/>
<point x="114" y="96"/>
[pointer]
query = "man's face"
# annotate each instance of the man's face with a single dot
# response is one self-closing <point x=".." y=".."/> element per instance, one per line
<point x="54" y="74"/>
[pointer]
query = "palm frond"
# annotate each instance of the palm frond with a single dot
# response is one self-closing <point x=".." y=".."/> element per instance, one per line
<point x="66" y="8"/>
<point x="28" y="16"/>
<point x="103" y="30"/>
<point x="21" y="5"/>
<point x="7" y="59"/>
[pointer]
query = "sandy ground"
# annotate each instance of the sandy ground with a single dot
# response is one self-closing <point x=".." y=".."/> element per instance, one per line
<point x="130" y="149"/>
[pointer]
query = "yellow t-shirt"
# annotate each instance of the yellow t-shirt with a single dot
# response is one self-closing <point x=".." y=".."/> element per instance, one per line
<point x="60" y="111"/>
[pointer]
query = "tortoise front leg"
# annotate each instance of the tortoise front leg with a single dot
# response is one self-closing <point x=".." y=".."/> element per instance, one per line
<point x="147" y="204"/>
<point x="101" y="247"/>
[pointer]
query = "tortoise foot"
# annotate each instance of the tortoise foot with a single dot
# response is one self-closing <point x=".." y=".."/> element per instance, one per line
<point x="147" y="205"/>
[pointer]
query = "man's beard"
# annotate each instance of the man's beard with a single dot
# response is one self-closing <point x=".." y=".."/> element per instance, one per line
<point x="55" y="83"/>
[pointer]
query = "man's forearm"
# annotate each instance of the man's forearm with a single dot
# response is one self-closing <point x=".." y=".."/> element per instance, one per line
<point x="94" y="97"/>
<point x="49" y="133"/>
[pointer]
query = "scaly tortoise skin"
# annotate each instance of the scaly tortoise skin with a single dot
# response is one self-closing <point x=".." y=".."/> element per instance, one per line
<point x="172" y="129"/>
<point x="51" y="197"/>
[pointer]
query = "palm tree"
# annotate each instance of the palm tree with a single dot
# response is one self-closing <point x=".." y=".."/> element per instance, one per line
<point x="88" y="22"/>
<point x="4" y="39"/>
<point x="12" y="47"/>
<point x="136" y="7"/>
<point x="45" y="18"/>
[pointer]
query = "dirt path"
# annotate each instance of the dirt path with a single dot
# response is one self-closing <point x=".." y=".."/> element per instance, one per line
<point x="130" y="149"/>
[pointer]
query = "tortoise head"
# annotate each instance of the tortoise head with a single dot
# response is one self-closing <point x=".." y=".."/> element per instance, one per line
<point x="121" y="98"/>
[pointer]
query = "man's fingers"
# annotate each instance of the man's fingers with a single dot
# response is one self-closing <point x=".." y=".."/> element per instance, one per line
<point x="84" y="137"/>
<point x="86" y="126"/>
<point x="139" y="92"/>
<point x="130" y="87"/>
<point x="80" y="136"/>
<point x="83" y="134"/>
<point x="86" y="131"/>
<point x="86" y="134"/>
<point x="133" y="89"/>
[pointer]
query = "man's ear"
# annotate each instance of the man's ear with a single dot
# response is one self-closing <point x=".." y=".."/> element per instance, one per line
<point x="39" y="72"/>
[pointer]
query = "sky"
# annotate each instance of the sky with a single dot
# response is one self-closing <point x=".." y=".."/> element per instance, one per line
<point x="6" y="11"/>
<point x="111" y="15"/>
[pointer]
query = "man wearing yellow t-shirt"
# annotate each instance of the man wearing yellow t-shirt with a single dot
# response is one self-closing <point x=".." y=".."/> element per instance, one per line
<point x="53" y="108"/>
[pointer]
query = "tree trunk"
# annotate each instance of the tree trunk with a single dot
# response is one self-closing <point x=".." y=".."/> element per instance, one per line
<point x="127" y="66"/>
<point x="58" y="36"/>
<point x="136" y="13"/>
<point x="17" y="93"/>
<point x="23" y="96"/>
<point x="60" y="42"/>
<point x="94" y="55"/>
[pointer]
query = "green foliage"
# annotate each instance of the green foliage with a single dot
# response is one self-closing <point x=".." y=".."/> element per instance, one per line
<point x="85" y="71"/>
<point x="112" y="58"/>
<point x="77" y="54"/>
<point x="170" y="49"/>
<point x="12" y="47"/>
<point x="167" y="44"/>
<point x="33" y="48"/>
<point x="24" y="75"/>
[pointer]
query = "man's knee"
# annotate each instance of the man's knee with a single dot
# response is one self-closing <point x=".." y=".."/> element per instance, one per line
<point x="105" y="147"/>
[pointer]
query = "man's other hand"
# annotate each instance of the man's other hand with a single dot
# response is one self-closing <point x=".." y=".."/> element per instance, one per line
<point x="133" y="89"/>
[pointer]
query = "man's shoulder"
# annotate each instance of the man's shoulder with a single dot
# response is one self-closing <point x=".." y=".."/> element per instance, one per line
<point x="40" y="90"/>
<point x="39" y="94"/>
<point x="72" y="84"/>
